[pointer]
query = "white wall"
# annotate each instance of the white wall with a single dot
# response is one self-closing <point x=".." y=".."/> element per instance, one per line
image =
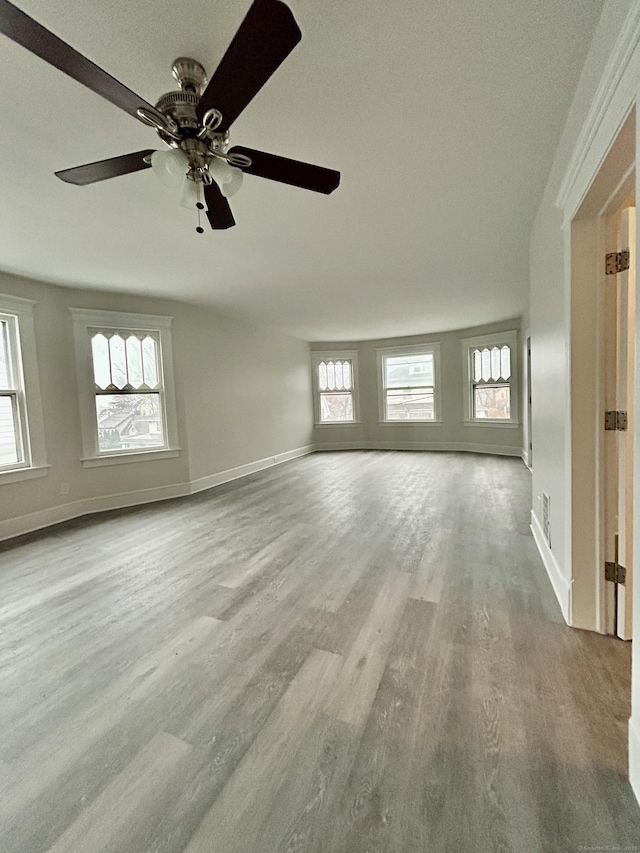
<point x="565" y="275"/>
<point x="243" y="397"/>
<point x="550" y="320"/>
<point x="452" y="434"/>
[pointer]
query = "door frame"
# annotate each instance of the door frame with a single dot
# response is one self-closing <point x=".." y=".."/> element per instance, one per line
<point x="590" y="237"/>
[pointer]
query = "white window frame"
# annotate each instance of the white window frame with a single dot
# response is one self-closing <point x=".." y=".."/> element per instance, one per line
<point x="18" y="313"/>
<point x="84" y="322"/>
<point x="335" y="355"/>
<point x="382" y="353"/>
<point x="498" y="339"/>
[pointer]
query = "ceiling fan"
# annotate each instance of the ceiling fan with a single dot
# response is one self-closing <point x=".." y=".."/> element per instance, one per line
<point x="193" y="121"/>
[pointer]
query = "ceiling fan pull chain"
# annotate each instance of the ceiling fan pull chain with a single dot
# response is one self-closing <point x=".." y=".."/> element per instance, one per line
<point x="199" y="208"/>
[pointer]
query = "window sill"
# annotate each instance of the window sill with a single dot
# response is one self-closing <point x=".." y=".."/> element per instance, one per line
<point x="410" y="423"/>
<point x="485" y="422"/>
<point x="17" y="474"/>
<point x="337" y="424"/>
<point x="124" y="458"/>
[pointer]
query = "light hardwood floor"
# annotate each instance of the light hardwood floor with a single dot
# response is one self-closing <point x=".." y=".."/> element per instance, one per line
<point x="351" y="652"/>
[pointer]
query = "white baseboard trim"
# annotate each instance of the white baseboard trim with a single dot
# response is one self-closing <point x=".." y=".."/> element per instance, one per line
<point x="561" y="586"/>
<point x="75" y="509"/>
<point x="634" y="757"/>
<point x="492" y="449"/>
<point x="525" y="458"/>
<point x="211" y="480"/>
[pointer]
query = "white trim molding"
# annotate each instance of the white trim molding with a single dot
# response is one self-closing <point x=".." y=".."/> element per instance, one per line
<point x="318" y="356"/>
<point x="497" y="339"/>
<point x="32" y="434"/>
<point x="65" y="512"/>
<point x="443" y="446"/>
<point x="85" y="319"/>
<point x="429" y="348"/>
<point x="610" y="107"/>
<point x="634" y="756"/>
<point x="561" y="585"/>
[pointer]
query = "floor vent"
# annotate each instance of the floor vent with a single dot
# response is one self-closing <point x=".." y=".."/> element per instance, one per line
<point x="546" y="516"/>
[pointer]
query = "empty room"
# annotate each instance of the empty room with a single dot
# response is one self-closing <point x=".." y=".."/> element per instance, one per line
<point x="318" y="418"/>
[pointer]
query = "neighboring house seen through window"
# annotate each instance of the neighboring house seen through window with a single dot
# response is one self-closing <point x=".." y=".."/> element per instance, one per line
<point x="409" y="385"/>
<point x="490" y="378"/>
<point x="126" y="386"/>
<point x="334" y="378"/>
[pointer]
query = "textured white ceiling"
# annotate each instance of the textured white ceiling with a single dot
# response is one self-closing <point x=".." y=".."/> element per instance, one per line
<point x="443" y="118"/>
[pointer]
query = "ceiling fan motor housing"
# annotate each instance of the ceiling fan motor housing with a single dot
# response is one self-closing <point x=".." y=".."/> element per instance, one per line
<point x="181" y="107"/>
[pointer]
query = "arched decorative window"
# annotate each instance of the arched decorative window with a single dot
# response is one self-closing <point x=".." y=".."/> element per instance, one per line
<point x="126" y="390"/>
<point x="490" y="372"/>
<point x="334" y="383"/>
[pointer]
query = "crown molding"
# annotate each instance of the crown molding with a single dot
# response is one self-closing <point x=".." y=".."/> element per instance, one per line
<point x="611" y="104"/>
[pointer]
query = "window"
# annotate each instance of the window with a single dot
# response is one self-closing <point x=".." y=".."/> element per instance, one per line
<point x="334" y="378"/>
<point x="409" y="383"/>
<point x="22" y="450"/>
<point x="126" y="386"/>
<point x="490" y="379"/>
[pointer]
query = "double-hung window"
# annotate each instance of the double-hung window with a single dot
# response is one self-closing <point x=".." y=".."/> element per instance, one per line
<point x="334" y="382"/>
<point x="22" y="450"/>
<point x="409" y="377"/>
<point x="127" y="399"/>
<point x="490" y="378"/>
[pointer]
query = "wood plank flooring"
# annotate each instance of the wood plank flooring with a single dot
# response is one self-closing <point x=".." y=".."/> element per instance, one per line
<point x="349" y="653"/>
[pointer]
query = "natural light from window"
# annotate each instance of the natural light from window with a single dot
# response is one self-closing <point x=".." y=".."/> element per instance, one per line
<point x="126" y="372"/>
<point x="335" y="385"/>
<point x="491" y="390"/>
<point x="409" y="387"/>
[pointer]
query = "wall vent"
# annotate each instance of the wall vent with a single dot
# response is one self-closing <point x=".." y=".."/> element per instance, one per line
<point x="546" y="518"/>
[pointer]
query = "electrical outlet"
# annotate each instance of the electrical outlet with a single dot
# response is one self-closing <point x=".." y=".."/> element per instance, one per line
<point x="64" y="488"/>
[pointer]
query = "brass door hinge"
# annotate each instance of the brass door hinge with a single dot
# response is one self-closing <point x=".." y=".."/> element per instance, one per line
<point x="614" y="572"/>
<point x="616" y="420"/>
<point x="616" y="262"/>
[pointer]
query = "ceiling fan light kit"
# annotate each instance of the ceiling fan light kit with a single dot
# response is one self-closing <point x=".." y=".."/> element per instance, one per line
<point x="194" y="120"/>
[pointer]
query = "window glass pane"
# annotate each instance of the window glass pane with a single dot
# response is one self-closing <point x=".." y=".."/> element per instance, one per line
<point x="346" y="373"/>
<point x="408" y="371"/>
<point x="322" y="376"/>
<point x="477" y="366"/>
<point x="495" y="364"/>
<point x="8" y="438"/>
<point x="339" y="381"/>
<point x="412" y="404"/>
<point x="129" y="421"/>
<point x="486" y="365"/>
<point x="101" y="367"/>
<point x="150" y="362"/>
<point x="505" y="359"/>
<point x="336" y="407"/>
<point x="118" y="361"/>
<point x="331" y="375"/>
<point x="4" y="355"/>
<point x="492" y="401"/>
<point x="134" y="361"/>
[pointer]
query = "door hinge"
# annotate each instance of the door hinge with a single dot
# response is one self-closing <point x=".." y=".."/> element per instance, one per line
<point x="614" y="572"/>
<point x="616" y="262"/>
<point x="616" y="420"/>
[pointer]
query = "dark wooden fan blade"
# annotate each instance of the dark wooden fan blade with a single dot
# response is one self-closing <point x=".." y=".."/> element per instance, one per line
<point x="219" y="213"/>
<point x="103" y="169"/>
<point x="266" y="37"/>
<point x="293" y="172"/>
<point x="36" y="38"/>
